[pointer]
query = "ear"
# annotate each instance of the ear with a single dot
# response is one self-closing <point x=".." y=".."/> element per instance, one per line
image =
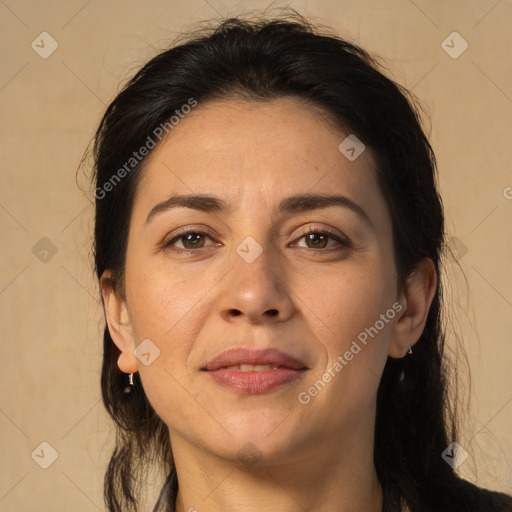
<point x="415" y="301"/>
<point x="119" y="324"/>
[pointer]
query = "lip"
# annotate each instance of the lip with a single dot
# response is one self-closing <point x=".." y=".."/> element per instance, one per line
<point x="237" y="356"/>
<point x="289" y="369"/>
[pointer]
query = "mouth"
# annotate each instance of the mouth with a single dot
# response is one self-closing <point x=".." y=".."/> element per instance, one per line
<point x="252" y="367"/>
<point x="254" y="371"/>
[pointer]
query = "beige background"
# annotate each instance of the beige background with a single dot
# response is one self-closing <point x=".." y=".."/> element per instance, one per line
<point x="51" y="319"/>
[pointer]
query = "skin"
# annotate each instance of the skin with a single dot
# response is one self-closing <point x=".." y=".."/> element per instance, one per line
<point x="315" y="456"/>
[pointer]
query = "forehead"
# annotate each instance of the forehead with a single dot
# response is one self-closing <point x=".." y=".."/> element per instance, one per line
<point x="259" y="151"/>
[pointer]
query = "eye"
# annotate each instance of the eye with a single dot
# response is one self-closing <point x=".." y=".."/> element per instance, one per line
<point x="191" y="240"/>
<point x="316" y="239"/>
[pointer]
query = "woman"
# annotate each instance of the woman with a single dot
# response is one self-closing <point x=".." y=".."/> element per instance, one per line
<point x="267" y="242"/>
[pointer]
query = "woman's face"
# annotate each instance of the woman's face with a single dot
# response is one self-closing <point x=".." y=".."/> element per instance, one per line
<point x="250" y="277"/>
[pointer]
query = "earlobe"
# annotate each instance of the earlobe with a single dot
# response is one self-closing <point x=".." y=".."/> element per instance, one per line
<point x="416" y="300"/>
<point x="119" y="324"/>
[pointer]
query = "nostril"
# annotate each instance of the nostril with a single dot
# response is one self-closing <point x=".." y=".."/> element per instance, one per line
<point x="272" y="312"/>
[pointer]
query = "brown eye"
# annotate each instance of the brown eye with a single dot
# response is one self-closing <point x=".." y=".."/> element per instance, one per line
<point x="317" y="240"/>
<point x="190" y="240"/>
<point x="320" y="240"/>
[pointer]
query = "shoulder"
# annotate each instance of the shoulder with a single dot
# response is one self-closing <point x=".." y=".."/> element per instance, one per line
<point x="467" y="497"/>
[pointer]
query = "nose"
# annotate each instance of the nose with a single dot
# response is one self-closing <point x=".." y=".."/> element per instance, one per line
<point x="256" y="292"/>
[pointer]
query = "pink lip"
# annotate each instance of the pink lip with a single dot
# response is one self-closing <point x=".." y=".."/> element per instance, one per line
<point x="254" y="382"/>
<point x="241" y="355"/>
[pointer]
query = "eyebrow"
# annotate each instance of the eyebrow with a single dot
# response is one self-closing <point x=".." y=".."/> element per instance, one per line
<point x="294" y="204"/>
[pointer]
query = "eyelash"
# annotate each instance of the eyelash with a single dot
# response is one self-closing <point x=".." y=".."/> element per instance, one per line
<point x="343" y="243"/>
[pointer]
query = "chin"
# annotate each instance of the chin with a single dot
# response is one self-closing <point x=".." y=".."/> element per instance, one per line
<point x="259" y="438"/>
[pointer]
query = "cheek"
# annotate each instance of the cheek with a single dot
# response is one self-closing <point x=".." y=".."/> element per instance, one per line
<point x="352" y="299"/>
<point x="161" y="295"/>
<point x="166" y="309"/>
<point x="162" y="307"/>
<point x="354" y="318"/>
